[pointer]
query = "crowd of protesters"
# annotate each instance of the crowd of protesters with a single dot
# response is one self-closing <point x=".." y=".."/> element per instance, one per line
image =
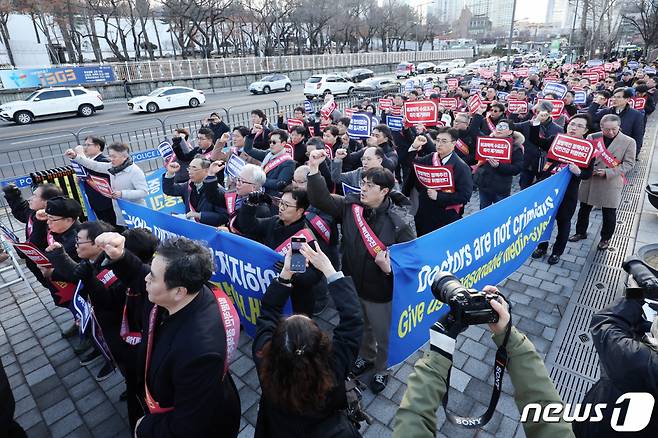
<point x="351" y="198"/>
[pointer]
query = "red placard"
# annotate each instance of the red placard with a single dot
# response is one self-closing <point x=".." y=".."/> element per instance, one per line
<point x="396" y="111"/>
<point x="517" y="106"/>
<point x="507" y="76"/>
<point x="101" y="185"/>
<point x="32" y="253"/>
<point x="385" y="104"/>
<point x="348" y="112"/>
<point x="290" y="150"/>
<point x="568" y="149"/>
<point x="474" y="102"/>
<point x="558" y="106"/>
<point x="328" y="109"/>
<point x="521" y="72"/>
<point x="638" y="102"/>
<point x="449" y="103"/>
<point x="420" y="112"/>
<point x="294" y="122"/>
<point x="608" y="66"/>
<point x="593" y="77"/>
<point x="496" y="148"/>
<point x="486" y="73"/>
<point x="453" y="82"/>
<point x="435" y="177"/>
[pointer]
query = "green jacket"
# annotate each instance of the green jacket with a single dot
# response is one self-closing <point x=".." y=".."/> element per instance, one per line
<point x="427" y="386"/>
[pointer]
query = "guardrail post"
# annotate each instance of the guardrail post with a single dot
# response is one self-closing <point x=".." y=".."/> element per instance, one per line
<point x="127" y="72"/>
<point x="189" y="64"/>
<point x="276" y="104"/>
<point x="162" y="122"/>
<point x="228" y="115"/>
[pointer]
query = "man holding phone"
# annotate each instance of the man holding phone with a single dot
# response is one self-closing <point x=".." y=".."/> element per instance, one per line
<point x="284" y="232"/>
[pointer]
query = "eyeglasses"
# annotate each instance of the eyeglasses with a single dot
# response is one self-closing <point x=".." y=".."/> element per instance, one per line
<point x="243" y="181"/>
<point x="85" y="145"/>
<point x="52" y="219"/>
<point x="273" y="142"/>
<point x="300" y="182"/>
<point x="284" y="205"/>
<point x="82" y="242"/>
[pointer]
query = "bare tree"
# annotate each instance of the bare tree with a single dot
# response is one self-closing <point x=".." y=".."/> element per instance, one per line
<point x="642" y="15"/>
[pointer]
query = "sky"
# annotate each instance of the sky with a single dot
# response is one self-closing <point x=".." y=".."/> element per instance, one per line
<point x="531" y="10"/>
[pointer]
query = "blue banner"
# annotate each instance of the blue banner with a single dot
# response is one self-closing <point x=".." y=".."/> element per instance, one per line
<point x="480" y="249"/>
<point x="243" y="270"/>
<point x="157" y="200"/>
<point x="580" y="97"/>
<point x="360" y="125"/>
<point x="56" y="76"/>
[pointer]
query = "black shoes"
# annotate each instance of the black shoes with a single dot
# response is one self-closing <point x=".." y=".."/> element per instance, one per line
<point x="576" y="237"/>
<point x="553" y="259"/>
<point x="538" y="253"/>
<point x="378" y="383"/>
<point x="361" y="366"/>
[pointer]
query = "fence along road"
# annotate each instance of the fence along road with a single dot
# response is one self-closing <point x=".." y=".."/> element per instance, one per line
<point x="143" y="141"/>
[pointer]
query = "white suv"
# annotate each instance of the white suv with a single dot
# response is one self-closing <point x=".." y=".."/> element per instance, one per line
<point x="319" y="85"/>
<point x="52" y="101"/>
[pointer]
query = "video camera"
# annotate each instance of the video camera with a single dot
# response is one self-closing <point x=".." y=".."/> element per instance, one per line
<point x="469" y="306"/>
<point x="644" y="275"/>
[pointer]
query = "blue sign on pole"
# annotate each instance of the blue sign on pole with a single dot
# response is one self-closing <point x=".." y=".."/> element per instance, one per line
<point x="555" y="88"/>
<point x="394" y="122"/>
<point x="56" y="76"/>
<point x="308" y="107"/>
<point x="580" y="97"/>
<point x="360" y="125"/>
<point x="633" y="64"/>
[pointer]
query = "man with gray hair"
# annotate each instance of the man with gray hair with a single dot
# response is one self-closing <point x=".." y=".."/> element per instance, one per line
<point x="197" y="205"/>
<point x="603" y="189"/>
<point x="533" y="156"/>
<point x="250" y="179"/>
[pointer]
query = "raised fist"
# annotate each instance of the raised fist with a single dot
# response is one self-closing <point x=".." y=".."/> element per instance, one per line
<point x="113" y="244"/>
<point x="341" y="154"/>
<point x="71" y="154"/>
<point x="173" y="167"/>
<point x="216" y="167"/>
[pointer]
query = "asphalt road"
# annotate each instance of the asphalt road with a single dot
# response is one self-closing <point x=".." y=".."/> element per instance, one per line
<point x="117" y="118"/>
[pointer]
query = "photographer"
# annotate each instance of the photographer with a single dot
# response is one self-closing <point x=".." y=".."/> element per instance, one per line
<point x="301" y="369"/>
<point x="427" y="385"/>
<point x="627" y="365"/>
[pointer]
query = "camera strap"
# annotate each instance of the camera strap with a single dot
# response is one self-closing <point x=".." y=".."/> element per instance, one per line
<point x="500" y="364"/>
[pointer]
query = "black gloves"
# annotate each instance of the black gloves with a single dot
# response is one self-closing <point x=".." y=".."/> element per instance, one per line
<point x="256" y="198"/>
<point x="11" y="191"/>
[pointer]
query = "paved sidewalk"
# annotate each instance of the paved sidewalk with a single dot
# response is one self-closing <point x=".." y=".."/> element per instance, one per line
<point x="57" y="397"/>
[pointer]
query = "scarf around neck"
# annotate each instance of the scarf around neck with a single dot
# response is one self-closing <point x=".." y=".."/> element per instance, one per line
<point x="119" y="168"/>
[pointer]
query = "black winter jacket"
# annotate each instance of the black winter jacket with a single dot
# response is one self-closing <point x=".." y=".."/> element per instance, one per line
<point x="390" y="222"/>
<point x="498" y="180"/>
<point x="211" y="214"/>
<point x="274" y="421"/>
<point x="627" y="365"/>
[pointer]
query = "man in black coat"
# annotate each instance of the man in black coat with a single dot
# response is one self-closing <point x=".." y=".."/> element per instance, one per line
<point x="197" y="204"/>
<point x="277" y="164"/>
<point x="632" y="121"/>
<point x="437" y="208"/>
<point x="102" y="205"/>
<point x="627" y="365"/>
<point x="250" y="179"/>
<point x="276" y="231"/>
<point x="188" y="389"/>
<point x="371" y="221"/>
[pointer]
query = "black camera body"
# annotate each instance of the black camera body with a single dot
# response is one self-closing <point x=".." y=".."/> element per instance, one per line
<point x="644" y="275"/>
<point x="469" y="306"/>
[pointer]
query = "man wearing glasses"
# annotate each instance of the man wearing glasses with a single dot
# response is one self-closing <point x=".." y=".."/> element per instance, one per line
<point x="93" y="148"/>
<point x="197" y="205"/>
<point x="277" y="164"/>
<point x="372" y="220"/>
<point x="632" y="121"/>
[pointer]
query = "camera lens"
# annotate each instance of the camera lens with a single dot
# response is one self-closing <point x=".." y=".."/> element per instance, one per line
<point x="446" y="286"/>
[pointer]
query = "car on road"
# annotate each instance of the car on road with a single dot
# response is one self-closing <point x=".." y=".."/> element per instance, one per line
<point x="167" y="98"/>
<point x="444" y="67"/>
<point x="319" y="85"/>
<point x="52" y="101"/>
<point x="383" y="84"/>
<point x="405" y="69"/>
<point x="426" y="67"/>
<point x="458" y="63"/>
<point x="269" y="83"/>
<point x="360" y="74"/>
<point x="455" y="72"/>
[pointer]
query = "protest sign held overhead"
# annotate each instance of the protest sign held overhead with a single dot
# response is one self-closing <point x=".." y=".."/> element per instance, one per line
<point x="499" y="149"/>
<point x="571" y="150"/>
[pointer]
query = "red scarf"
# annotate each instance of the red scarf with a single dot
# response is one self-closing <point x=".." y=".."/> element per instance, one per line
<point x="370" y="239"/>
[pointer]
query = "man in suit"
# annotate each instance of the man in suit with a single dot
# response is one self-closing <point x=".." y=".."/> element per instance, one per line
<point x="437" y="208"/>
<point x="604" y="188"/>
<point x="102" y="205"/>
<point x="189" y="340"/>
<point x="632" y="121"/>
